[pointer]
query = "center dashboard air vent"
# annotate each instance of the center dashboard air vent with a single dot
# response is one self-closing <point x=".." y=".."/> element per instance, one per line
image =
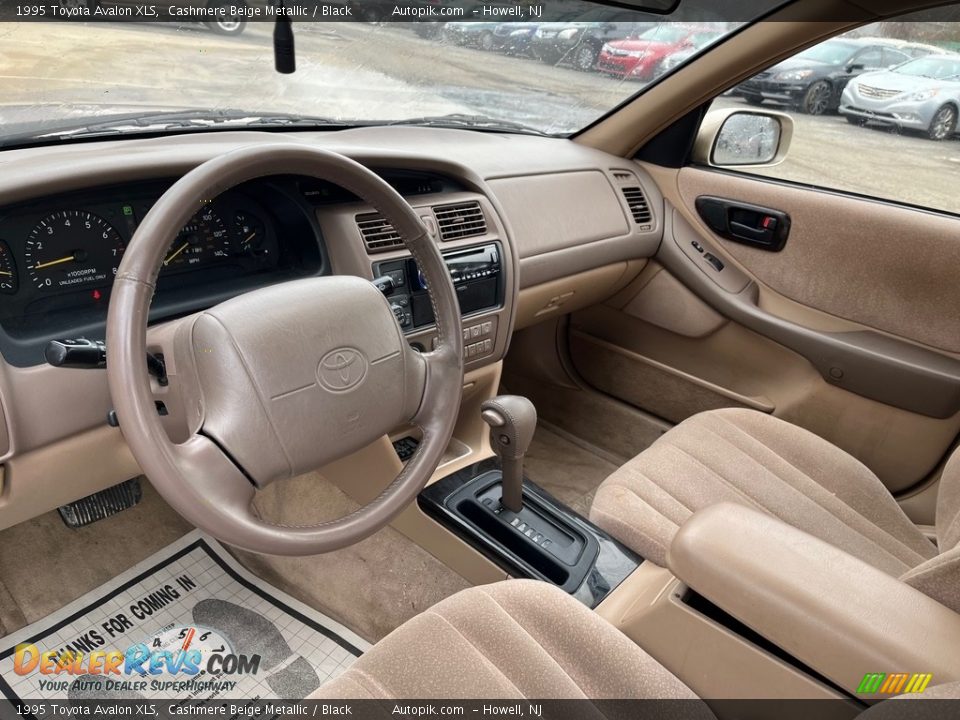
<point x="460" y="220"/>
<point x="378" y="234"/>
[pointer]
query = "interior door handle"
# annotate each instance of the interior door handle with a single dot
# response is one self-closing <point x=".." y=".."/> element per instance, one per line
<point x="746" y="232"/>
<point x="753" y="225"/>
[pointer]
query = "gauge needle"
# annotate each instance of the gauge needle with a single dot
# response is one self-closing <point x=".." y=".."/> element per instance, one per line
<point x="8" y="274"/>
<point x="178" y="251"/>
<point x="40" y="266"/>
<point x="247" y="240"/>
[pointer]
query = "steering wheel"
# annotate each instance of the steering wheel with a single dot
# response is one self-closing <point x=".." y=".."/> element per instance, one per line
<point x="284" y="379"/>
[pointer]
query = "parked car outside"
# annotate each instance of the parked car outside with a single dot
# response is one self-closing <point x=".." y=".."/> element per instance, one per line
<point x="638" y="58"/>
<point x="514" y="38"/>
<point x="923" y="94"/>
<point x="477" y="34"/>
<point x="579" y="42"/>
<point x="681" y="55"/>
<point x="813" y="81"/>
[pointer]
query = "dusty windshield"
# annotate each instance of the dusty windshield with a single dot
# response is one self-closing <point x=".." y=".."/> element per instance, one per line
<point x="529" y="73"/>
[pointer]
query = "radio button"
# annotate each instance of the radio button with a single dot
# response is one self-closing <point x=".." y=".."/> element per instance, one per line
<point x="486" y="328"/>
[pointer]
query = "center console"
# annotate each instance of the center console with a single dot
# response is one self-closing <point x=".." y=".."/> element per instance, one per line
<point x="518" y="525"/>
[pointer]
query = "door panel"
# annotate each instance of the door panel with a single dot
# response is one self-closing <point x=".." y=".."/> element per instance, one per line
<point x="886" y="267"/>
<point x="857" y="287"/>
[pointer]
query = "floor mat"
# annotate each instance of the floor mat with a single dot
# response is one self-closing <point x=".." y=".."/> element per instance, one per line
<point x="188" y="623"/>
<point x="568" y="470"/>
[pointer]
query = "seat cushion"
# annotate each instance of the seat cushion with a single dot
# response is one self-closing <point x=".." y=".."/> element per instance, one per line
<point x="513" y="639"/>
<point x="763" y="462"/>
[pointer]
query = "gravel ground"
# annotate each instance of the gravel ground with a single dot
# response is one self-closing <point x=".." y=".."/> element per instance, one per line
<point x="56" y="71"/>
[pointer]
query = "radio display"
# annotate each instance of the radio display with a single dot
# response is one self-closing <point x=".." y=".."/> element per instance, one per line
<point x="476" y="274"/>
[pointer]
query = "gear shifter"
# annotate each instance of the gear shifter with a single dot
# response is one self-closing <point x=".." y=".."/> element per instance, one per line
<point x="512" y="420"/>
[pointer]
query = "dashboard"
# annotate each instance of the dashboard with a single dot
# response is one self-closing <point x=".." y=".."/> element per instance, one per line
<point x="530" y="227"/>
<point x="58" y="256"/>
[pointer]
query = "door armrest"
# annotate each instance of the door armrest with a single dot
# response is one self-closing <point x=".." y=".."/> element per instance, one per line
<point x="830" y="610"/>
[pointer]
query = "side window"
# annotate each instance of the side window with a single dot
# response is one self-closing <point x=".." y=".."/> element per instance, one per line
<point x="869" y="118"/>
<point x="893" y="57"/>
<point x="871" y="59"/>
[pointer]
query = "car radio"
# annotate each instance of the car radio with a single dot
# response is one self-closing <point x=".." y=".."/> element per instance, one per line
<point x="477" y="276"/>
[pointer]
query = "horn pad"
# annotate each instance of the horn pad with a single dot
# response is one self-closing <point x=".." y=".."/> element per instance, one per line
<point x="296" y="375"/>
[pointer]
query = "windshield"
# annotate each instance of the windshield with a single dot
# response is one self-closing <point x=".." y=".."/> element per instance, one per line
<point x="940" y="68"/>
<point x="666" y="33"/>
<point x="831" y="53"/>
<point x="69" y="79"/>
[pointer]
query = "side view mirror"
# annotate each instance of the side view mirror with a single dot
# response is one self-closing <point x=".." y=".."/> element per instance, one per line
<point x="733" y="137"/>
<point x="854" y="67"/>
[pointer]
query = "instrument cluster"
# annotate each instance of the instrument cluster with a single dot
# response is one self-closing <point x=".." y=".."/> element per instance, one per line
<point x="59" y="255"/>
<point x="76" y="248"/>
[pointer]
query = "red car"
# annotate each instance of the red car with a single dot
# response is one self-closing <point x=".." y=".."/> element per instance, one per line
<point x="639" y="57"/>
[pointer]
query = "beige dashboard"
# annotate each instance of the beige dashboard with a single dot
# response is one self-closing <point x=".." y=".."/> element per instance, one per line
<point x="571" y="222"/>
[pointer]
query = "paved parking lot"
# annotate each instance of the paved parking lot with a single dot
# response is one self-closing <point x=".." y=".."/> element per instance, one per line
<point x="356" y="71"/>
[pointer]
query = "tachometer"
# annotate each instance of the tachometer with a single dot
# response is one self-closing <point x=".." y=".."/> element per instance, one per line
<point x="72" y="248"/>
<point x="204" y="238"/>
<point x="8" y="270"/>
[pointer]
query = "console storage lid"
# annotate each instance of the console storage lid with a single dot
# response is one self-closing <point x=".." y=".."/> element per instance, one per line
<point x="835" y="613"/>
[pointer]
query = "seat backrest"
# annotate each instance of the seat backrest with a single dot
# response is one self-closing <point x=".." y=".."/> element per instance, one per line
<point x="939" y="577"/>
<point x="948" y="505"/>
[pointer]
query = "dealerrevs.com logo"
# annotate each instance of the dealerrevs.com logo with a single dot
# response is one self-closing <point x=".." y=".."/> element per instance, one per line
<point x="182" y="653"/>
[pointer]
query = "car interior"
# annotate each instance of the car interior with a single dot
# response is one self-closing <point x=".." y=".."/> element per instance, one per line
<point x="613" y="414"/>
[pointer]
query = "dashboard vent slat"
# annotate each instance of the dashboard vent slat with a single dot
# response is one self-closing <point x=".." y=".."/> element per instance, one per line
<point x="460" y="220"/>
<point x="377" y="233"/>
<point x="639" y="207"/>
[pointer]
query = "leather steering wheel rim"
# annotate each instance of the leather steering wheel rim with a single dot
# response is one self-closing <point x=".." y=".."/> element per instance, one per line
<point x="199" y="478"/>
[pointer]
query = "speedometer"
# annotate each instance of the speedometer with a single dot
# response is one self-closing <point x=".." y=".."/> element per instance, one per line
<point x="205" y="238"/>
<point x="71" y="249"/>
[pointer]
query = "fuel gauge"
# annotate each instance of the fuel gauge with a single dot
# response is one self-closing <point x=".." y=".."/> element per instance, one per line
<point x="250" y="231"/>
<point x="8" y="270"/>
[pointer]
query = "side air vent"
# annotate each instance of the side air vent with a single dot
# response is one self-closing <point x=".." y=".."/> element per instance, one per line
<point x="377" y="233"/>
<point x="638" y="205"/>
<point x="461" y="220"/>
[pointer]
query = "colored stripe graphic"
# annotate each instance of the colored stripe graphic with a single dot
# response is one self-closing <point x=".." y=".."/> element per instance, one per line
<point x="894" y="683"/>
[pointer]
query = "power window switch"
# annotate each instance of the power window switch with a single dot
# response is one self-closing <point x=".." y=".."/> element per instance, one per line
<point x="715" y="261"/>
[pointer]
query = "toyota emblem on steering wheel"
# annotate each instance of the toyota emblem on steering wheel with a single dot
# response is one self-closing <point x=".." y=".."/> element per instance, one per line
<point x="342" y="369"/>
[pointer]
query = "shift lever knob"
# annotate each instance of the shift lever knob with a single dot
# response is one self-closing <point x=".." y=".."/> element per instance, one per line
<point x="512" y="420"/>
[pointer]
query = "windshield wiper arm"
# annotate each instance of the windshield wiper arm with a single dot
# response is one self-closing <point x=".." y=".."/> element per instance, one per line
<point x="471" y="122"/>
